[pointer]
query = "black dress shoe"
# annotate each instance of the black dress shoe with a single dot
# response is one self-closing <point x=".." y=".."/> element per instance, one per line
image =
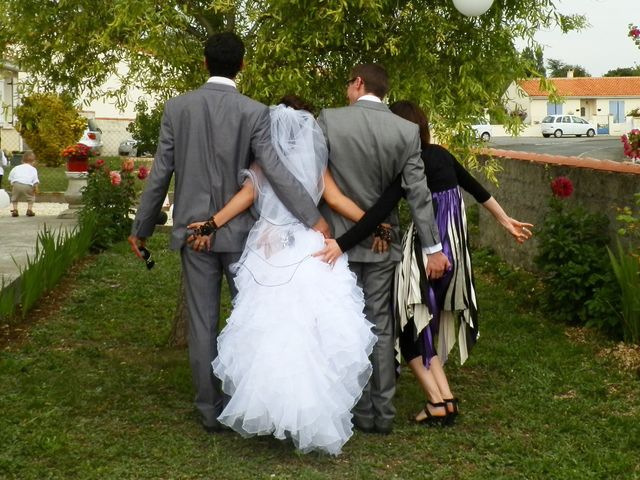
<point x="386" y="430"/>
<point x="363" y="428"/>
<point x="216" y="428"/>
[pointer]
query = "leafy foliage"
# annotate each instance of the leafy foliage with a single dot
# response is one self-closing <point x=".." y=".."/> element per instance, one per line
<point x="573" y="258"/>
<point x="535" y="59"/>
<point x="55" y="253"/>
<point x="48" y="123"/>
<point x="146" y="127"/>
<point x="626" y="266"/>
<point x="108" y="201"/>
<point x="559" y="69"/>
<point x="624" y="72"/>
<point x="454" y="66"/>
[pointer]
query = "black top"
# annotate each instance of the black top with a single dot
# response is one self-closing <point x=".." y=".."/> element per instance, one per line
<point x="443" y="172"/>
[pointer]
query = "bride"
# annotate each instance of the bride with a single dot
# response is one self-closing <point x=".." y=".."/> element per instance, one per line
<point x="293" y="355"/>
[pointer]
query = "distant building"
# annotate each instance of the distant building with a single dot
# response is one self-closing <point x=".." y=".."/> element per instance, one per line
<point x="605" y="101"/>
<point x="109" y="118"/>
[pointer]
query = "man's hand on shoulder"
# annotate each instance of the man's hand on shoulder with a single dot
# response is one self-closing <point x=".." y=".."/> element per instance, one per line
<point x="437" y="264"/>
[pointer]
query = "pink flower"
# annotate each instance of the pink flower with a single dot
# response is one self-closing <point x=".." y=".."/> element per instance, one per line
<point x="115" y="178"/>
<point x="143" y="172"/>
<point x="127" y="165"/>
<point x="562" y="187"/>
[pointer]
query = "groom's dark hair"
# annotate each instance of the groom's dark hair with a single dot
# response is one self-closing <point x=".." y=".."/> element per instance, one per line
<point x="374" y="77"/>
<point x="224" y="53"/>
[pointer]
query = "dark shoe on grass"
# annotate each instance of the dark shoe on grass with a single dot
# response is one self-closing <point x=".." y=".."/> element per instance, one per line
<point x="30" y="213"/>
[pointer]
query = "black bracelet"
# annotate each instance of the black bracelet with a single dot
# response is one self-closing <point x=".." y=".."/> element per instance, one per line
<point x="383" y="233"/>
<point x="208" y="228"/>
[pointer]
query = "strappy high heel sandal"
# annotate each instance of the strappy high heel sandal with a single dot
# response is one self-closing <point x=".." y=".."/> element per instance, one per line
<point x="431" y="419"/>
<point x="452" y="409"/>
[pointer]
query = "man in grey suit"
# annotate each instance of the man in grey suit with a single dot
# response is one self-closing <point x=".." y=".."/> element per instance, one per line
<point x="368" y="148"/>
<point x="207" y="136"/>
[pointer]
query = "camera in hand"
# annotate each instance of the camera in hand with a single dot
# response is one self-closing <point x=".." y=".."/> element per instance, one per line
<point x="146" y="255"/>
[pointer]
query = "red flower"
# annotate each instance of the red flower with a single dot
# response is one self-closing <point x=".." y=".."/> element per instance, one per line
<point x="99" y="163"/>
<point x="143" y="172"/>
<point x="115" y="178"/>
<point x="562" y="187"/>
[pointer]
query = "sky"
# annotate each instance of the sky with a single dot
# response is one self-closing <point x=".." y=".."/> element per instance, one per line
<point x="600" y="47"/>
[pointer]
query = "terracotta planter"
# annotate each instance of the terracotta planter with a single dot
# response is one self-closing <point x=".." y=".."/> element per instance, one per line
<point x="77" y="165"/>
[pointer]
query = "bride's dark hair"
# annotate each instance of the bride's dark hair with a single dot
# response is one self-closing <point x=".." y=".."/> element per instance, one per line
<point x="296" y="103"/>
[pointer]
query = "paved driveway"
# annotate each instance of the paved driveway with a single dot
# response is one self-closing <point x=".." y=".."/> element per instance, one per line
<point x="600" y="147"/>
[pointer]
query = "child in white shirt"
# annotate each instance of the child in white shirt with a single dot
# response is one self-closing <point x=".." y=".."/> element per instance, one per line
<point x="24" y="183"/>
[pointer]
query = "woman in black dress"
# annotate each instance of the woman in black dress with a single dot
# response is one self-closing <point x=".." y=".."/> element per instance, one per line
<point x="433" y="315"/>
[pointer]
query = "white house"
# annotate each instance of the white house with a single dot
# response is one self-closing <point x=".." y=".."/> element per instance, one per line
<point x="109" y="118"/>
<point x="605" y="101"/>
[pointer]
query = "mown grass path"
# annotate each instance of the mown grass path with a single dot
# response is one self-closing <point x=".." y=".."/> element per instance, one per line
<point x="93" y="392"/>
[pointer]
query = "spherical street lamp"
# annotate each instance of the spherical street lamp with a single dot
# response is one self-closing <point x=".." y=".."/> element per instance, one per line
<point x="472" y="8"/>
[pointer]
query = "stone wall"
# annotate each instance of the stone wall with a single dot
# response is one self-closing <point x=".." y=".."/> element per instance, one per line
<point x="524" y="190"/>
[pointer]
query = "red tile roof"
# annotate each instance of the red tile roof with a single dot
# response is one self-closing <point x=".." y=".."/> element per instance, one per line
<point x="586" y="87"/>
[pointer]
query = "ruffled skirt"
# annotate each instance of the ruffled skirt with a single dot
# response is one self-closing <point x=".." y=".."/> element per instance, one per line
<point x="294" y="353"/>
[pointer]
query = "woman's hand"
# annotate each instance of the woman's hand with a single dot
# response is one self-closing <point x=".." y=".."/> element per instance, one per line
<point x="199" y="243"/>
<point x="381" y="238"/>
<point x="330" y="253"/>
<point x="519" y="230"/>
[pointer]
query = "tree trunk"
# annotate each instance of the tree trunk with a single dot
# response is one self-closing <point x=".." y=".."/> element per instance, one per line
<point x="180" y="327"/>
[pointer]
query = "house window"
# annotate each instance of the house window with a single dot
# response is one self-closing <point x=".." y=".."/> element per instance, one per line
<point x="616" y="108"/>
<point x="554" y="108"/>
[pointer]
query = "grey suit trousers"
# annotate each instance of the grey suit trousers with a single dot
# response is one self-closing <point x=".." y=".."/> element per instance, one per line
<point x="375" y="408"/>
<point x="203" y="273"/>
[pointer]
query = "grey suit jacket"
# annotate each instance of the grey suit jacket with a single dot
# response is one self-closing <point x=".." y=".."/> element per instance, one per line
<point x="369" y="147"/>
<point x="207" y="136"/>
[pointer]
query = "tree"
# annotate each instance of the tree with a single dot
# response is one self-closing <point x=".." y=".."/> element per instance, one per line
<point x="535" y="62"/>
<point x="624" y="72"/>
<point x="49" y="123"/>
<point x="559" y="69"/>
<point x="453" y="65"/>
<point x="146" y="127"/>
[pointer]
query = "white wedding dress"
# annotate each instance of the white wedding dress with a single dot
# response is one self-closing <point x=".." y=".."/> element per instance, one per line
<point x="294" y="353"/>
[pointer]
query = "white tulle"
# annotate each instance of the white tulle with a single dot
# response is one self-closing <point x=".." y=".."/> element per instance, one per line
<point x="294" y="353"/>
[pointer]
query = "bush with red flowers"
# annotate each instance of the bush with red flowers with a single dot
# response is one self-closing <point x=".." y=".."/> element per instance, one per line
<point x="108" y="201"/>
<point x="576" y="273"/>
<point x="631" y="142"/>
<point x="634" y="33"/>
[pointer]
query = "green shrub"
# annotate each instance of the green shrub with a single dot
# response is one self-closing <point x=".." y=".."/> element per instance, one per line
<point x="146" y="127"/>
<point x="108" y="201"/>
<point x="48" y="123"/>
<point x="573" y="258"/>
<point x="626" y="266"/>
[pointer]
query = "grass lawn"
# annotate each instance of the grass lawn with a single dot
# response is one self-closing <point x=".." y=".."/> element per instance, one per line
<point x="90" y="390"/>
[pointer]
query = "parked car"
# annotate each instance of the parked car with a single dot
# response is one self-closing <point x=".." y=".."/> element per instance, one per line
<point x="483" y="129"/>
<point x="559" y="125"/>
<point x="128" y="148"/>
<point x="92" y="137"/>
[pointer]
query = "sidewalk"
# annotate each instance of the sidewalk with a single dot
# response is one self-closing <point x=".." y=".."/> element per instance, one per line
<point x="18" y="235"/>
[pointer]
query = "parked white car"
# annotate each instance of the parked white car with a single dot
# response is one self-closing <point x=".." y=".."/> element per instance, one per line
<point x="559" y="125"/>
<point x="483" y="129"/>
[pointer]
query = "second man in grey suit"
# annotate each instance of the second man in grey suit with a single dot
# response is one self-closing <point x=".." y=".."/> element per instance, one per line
<point x="368" y="148"/>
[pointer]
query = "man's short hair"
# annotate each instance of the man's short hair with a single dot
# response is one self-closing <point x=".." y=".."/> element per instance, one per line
<point x="224" y="53"/>
<point x="374" y="77"/>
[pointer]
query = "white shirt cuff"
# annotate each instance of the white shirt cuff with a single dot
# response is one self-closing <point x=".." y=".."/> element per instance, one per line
<point x="433" y="249"/>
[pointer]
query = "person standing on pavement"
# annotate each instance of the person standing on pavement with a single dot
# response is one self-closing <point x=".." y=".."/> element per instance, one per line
<point x="24" y="183"/>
